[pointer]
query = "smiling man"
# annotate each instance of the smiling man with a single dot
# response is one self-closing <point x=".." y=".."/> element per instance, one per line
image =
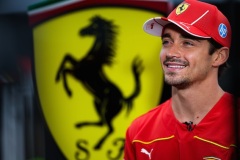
<point x="197" y="122"/>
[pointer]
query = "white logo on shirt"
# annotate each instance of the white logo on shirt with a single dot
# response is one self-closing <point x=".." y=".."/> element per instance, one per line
<point x="146" y="152"/>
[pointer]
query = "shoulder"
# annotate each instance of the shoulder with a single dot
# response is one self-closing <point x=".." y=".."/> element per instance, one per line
<point x="226" y="102"/>
<point x="228" y="97"/>
<point x="223" y="108"/>
<point x="151" y="117"/>
<point x="153" y="112"/>
<point x="222" y="117"/>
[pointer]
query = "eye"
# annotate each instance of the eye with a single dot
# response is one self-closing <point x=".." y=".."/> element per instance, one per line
<point x="165" y="42"/>
<point x="188" y="43"/>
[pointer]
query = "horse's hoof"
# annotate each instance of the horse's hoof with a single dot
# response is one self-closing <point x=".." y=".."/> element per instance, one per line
<point x="78" y="125"/>
<point x="69" y="93"/>
<point x="97" y="147"/>
<point x="57" y="78"/>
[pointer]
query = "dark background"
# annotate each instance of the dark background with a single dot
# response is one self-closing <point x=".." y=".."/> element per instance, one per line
<point x="24" y="134"/>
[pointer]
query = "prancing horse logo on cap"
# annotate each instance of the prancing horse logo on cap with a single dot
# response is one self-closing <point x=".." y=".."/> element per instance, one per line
<point x="181" y="8"/>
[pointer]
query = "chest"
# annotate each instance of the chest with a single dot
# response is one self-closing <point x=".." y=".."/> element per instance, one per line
<point x="174" y="148"/>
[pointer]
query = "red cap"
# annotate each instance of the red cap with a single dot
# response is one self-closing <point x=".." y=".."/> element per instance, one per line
<point x="196" y="18"/>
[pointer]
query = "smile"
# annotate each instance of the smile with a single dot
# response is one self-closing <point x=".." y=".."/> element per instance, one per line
<point x="174" y="63"/>
<point x="176" y="66"/>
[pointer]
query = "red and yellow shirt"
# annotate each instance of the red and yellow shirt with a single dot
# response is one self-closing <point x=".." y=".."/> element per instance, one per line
<point x="158" y="135"/>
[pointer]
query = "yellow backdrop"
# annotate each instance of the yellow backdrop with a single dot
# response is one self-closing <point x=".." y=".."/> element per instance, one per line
<point x="60" y="35"/>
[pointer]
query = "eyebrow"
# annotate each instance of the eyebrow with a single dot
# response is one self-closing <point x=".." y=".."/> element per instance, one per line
<point x="166" y="35"/>
<point x="187" y="36"/>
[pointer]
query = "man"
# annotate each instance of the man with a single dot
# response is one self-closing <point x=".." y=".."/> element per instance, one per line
<point x="197" y="122"/>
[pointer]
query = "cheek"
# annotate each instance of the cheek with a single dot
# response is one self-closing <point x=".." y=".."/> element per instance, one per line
<point x="200" y="65"/>
<point x="194" y="59"/>
<point x="162" y="56"/>
<point x="200" y="60"/>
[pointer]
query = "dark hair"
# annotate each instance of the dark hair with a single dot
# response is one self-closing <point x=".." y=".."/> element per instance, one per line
<point x="213" y="47"/>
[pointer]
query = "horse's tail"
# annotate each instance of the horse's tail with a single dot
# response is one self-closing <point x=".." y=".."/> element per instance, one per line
<point x="137" y="69"/>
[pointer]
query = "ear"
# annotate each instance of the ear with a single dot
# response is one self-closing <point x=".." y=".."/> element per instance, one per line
<point x="220" y="56"/>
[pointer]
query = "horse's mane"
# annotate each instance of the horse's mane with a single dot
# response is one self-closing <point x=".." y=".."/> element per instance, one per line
<point x="107" y="34"/>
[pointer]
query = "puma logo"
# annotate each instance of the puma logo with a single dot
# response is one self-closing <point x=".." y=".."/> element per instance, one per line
<point x="146" y="152"/>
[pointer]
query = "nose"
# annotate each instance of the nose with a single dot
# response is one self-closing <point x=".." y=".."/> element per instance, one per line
<point x="173" y="51"/>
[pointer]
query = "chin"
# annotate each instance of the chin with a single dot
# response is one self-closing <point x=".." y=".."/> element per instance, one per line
<point x="178" y="83"/>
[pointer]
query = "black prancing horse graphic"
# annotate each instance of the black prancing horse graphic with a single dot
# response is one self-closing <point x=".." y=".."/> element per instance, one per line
<point x="108" y="99"/>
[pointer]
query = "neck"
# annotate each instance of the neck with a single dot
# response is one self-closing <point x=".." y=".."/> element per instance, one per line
<point x="193" y="103"/>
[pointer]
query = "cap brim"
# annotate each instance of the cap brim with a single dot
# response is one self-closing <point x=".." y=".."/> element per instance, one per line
<point x="155" y="26"/>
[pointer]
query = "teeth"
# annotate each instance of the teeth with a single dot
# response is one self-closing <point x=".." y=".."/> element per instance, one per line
<point x="176" y="66"/>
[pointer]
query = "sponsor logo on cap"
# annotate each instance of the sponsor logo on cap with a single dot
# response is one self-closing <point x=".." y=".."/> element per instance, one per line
<point x="181" y="8"/>
<point x="222" y="30"/>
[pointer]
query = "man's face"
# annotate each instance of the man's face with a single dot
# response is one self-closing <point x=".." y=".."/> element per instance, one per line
<point x="185" y="59"/>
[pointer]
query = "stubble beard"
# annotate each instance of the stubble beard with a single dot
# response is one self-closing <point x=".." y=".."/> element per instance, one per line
<point x="178" y="82"/>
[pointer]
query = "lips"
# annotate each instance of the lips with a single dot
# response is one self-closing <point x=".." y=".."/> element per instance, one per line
<point x="175" y="64"/>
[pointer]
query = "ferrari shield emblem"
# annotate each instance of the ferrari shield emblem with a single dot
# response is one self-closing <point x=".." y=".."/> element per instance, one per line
<point x="96" y="70"/>
<point x="181" y="8"/>
<point x="89" y="71"/>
